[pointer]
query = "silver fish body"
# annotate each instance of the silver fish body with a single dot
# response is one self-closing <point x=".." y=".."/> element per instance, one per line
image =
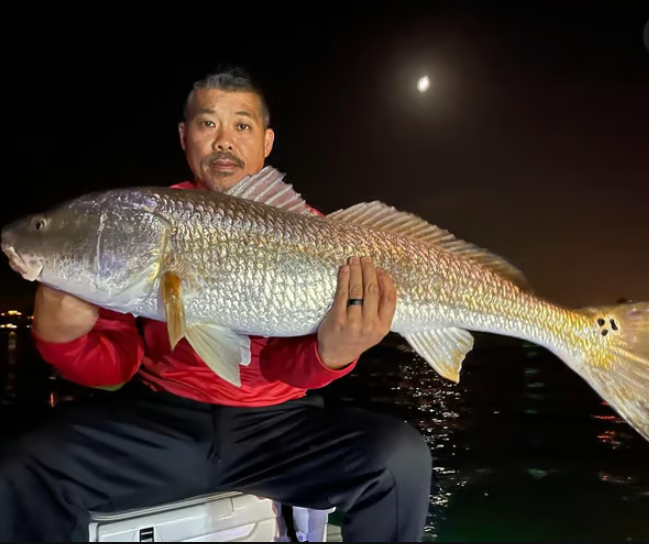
<point x="218" y="267"/>
<point x="264" y="271"/>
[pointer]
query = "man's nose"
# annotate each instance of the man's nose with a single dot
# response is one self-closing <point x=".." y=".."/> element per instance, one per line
<point x="220" y="146"/>
<point x="222" y="141"/>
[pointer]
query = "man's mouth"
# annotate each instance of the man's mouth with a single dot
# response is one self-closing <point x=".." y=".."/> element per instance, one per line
<point x="224" y="164"/>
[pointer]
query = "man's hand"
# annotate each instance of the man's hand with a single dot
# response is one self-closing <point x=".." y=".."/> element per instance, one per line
<point x="60" y="317"/>
<point x="349" y="330"/>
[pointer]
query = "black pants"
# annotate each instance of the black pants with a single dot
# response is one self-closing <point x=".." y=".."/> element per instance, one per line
<point x="138" y="448"/>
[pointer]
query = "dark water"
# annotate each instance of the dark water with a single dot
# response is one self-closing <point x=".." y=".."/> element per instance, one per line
<point x="524" y="450"/>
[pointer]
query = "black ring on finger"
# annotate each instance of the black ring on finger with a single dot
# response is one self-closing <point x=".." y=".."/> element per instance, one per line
<point x="355" y="302"/>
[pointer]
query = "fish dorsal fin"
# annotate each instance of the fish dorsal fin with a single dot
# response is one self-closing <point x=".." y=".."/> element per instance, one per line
<point x="380" y="216"/>
<point x="267" y="187"/>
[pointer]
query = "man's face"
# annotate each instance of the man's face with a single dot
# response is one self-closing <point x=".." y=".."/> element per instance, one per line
<point x="224" y="138"/>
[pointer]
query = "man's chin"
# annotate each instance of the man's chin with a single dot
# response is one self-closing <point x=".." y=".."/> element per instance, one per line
<point x="223" y="180"/>
<point x="224" y="171"/>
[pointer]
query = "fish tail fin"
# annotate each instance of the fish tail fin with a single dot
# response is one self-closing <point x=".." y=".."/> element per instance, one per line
<point x="616" y="359"/>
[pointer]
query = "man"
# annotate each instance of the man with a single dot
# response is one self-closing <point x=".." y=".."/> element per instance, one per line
<point x="176" y="430"/>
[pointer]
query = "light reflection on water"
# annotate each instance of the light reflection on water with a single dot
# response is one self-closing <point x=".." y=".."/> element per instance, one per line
<point x="523" y="449"/>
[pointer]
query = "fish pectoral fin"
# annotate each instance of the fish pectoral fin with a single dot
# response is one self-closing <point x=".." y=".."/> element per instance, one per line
<point x="219" y="348"/>
<point x="171" y="292"/>
<point x="443" y="349"/>
<point x="267" y="187"/>
<point x="380" y="216"/>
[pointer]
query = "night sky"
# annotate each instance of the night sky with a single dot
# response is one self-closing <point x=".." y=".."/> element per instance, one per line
<point x="532" y="141"/>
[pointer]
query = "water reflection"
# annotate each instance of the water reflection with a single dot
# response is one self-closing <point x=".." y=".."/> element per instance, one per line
<point x="523" y="448"/>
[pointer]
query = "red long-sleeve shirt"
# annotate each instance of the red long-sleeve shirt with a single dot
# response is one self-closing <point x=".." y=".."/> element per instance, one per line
<point x="114" y="351"/>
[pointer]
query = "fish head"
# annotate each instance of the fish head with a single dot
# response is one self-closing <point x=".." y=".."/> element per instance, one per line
<point x="99" y="250"/>
<point x="52" y="247"/>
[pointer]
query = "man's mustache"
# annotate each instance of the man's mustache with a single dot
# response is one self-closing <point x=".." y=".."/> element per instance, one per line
<point x="223" y="156"/>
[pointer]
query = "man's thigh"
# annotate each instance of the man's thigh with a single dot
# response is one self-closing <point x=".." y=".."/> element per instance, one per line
<point x="305" y="454"/>
<point x="126" y="450"/>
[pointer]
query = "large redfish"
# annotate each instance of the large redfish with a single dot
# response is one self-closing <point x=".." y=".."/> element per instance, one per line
<point x="218" y="267"/>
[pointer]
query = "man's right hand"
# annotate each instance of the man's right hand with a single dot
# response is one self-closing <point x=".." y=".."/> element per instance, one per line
<point x="60" y="317"/>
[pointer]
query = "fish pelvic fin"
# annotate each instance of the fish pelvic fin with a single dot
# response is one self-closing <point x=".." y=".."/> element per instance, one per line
<point x="171" y="293"/>
<point x="267" y="186"/>
<point x="219" y="348"/>
<point x="443" y="349"/>
<point x="616" y="362"/>
<point x="380" y="216"/>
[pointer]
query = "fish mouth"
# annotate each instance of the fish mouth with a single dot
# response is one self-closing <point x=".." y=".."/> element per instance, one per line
<point x="30" y="271"/>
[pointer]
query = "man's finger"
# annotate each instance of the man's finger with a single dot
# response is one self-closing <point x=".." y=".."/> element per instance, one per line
<point x="371" y="289"/>
<point x="355" y="288"/>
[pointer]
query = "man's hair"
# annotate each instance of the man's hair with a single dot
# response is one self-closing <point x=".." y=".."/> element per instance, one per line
<point x="230" y="80"/>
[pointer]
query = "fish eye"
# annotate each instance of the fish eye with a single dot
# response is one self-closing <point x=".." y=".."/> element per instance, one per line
<point x="38" y="224"/>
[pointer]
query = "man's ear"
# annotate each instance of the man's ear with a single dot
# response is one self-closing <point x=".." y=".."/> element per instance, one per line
<point x="183" y="136"/>
<point x="269" y="139"/>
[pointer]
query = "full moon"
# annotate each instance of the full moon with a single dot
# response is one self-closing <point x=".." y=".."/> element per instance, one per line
<point x="423" y="84"/>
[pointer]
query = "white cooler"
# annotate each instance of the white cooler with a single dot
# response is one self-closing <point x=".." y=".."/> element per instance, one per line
<point x="223" y="517"/>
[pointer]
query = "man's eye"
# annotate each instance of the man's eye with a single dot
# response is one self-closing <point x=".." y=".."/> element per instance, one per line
<point x="209" y="123"/>
<point x="243" y="126"/>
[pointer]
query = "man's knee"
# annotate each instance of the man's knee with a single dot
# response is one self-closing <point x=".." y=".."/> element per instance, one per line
<point x="34" y="459"/>
<point x="398" y="447"/>
<point x="403" y="445"/>
<point x="391" y="497"/>
<point x="21" y="468"/>
<point x="15" y="477"/>
<point x="13" y="460"/>
<point x="34" y="499"/>
<point x="390" y="459"/>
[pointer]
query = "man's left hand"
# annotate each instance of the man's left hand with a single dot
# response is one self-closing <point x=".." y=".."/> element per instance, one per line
<point x="349" y="330"/>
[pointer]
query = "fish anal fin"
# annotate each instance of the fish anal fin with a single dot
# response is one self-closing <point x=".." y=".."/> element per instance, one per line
<point x="219" y="348"/>
<point x="380" y="216"/>
<point x="267" y="187"/>
<point x="443" y="349"/>
<point x="171" y="293"/>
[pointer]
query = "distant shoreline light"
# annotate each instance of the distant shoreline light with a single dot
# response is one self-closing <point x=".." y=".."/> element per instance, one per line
<point x="15" y="320"/>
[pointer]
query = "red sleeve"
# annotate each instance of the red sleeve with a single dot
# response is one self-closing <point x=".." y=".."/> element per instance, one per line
<point x="295" y="361"/>
<point x="107" y="356"/>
